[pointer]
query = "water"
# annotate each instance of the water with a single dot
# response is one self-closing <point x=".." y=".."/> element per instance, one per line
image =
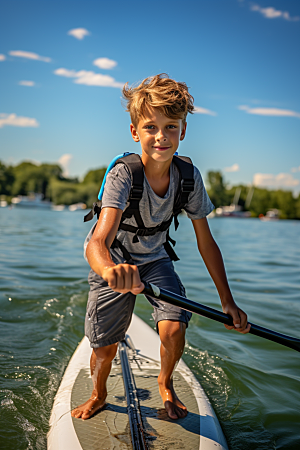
<point x="253" y="384"/>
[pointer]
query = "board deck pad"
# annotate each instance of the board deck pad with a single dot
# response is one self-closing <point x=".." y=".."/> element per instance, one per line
<point x="109" y="429"/>
<point x="162" y="432"/>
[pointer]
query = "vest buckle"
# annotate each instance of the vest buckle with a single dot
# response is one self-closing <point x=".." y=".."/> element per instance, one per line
<point x="136" y="193"/>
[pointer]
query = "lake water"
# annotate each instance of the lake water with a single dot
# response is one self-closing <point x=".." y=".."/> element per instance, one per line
<point x="253" y="384"/>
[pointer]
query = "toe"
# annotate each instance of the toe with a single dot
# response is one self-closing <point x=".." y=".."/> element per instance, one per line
<point x="181" y="412"/>
<point x="172" y="415"/>
<point x="170" y="408"/>
<point x="86" y="414"/>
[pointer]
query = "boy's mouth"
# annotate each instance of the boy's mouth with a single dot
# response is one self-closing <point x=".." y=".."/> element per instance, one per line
<point x="161" y="148"/>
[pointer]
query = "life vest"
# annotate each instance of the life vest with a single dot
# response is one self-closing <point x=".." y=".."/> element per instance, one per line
<point x="135" y="166"/>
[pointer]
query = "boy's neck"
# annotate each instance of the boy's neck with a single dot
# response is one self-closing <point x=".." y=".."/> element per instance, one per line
<point x="156" y="169"/>
<point x="157" y="174"/>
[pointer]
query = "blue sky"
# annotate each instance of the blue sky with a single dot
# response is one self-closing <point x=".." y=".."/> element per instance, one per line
<point x="62" y="65"/>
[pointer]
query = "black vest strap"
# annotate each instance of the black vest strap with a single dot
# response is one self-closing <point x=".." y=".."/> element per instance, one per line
<point x="150" y="231"/>
<point x="135" y="166"/>
<point x="117" y="244"/>
<point x="187" y="183"/>
<point x="96" y="209"/>
<point x="169" y="249"/>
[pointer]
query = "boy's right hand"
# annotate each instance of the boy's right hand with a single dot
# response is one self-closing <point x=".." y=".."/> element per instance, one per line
<point x="123" y="278"/>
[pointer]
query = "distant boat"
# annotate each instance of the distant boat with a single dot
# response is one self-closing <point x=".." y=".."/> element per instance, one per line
<point x="58" y="207"/>
<point x="3" y="203"/>
<point x="33" y="200"/>
<point x="235" y="210"/>
<point x="232" y="211"/>
<point x="271" y="216"/>
<point x="77" y="206"/>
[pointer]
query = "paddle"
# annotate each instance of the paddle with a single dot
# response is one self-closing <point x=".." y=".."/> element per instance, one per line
<point x="189" y="305"/>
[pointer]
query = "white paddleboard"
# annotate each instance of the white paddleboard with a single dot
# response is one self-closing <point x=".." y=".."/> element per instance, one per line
<point x="110" y="428"/>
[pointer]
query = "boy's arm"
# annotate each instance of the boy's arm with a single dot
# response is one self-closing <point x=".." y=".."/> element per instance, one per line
<point x="213" y="260"/>
<point x="120" y="277"/>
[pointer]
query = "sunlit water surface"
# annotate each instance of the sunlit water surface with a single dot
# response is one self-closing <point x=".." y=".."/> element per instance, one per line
<point x="253" y="384"/>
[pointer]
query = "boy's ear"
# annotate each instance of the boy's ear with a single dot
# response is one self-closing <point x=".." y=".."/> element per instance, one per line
<point x="134" y="133"/>
<point x="183" y="131"/>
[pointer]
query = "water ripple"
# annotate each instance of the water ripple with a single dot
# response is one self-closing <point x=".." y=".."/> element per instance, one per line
<point x="253" y="384"/>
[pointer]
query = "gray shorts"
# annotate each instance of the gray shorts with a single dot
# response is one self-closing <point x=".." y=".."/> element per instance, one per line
<point x="109" y="313"/>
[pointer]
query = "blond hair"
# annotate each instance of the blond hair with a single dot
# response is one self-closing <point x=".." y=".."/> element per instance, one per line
<point x="170" y="96"/>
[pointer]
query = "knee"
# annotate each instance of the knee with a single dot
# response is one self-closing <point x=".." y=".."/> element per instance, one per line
<point x="106" y="353"/>
<point x="170" y="331"/>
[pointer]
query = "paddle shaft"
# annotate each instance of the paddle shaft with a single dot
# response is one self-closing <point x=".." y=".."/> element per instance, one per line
<point x="189" y="305"/>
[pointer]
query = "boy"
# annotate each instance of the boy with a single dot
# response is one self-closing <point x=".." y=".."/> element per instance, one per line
<point x="158" y="108"/>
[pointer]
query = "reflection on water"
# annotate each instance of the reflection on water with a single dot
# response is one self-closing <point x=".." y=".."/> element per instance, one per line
<point x="254" y="384"/>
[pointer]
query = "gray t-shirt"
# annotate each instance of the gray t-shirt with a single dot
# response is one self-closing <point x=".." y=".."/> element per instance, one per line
<point x="154" y="210"/>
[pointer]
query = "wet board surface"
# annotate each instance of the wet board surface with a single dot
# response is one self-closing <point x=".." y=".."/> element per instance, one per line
<point x="109" y="429"/>
<point x="162" y="432"/>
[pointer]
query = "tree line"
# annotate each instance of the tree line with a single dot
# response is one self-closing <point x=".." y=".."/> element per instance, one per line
<point x="256" y="200"/>
<point x="48" y="179"/>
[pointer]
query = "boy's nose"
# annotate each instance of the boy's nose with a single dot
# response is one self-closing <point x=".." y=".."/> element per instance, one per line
<point x="160" y="136"/>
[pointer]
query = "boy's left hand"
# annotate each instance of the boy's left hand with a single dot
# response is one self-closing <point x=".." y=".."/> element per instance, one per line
<point x="239" y="317"/>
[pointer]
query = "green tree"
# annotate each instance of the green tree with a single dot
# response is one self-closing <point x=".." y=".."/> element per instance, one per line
<point x="95" y="176"/>
<point x="6" y="179"/>
<point x="217" y="189"/>
<point x="297" y="207"/>
<point x="261" y="202"/>
<point x="30" y="177"/>
<point x="285" y="202"/>
<point x="264" y="200"/>
<point x="66" y="193"/>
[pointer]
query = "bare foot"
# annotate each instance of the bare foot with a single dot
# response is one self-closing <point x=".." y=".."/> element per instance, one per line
<point x="89" y="408"/>
<point x="175" y="409"/>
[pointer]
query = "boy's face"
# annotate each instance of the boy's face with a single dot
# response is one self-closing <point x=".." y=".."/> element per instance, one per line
<point x="159" y="135"/>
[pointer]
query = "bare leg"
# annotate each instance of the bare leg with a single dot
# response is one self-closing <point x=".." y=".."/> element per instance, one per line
<point x="172" y="336"/>
<point x="100" y="364"/>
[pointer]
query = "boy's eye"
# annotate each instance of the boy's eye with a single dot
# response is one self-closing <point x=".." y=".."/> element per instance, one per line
<point x="149" y="127"/>
<point x="172" y="126"/>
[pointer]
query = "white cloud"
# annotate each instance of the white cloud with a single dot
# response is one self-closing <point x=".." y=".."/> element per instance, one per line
<point x="17" y="121"/>
<point x="78" y="33"/>
<point x="200" y="110"/>
<point x="272" y="13"/>
<point x="275" y="112"/>
<point x="295" y="169"/>
<point x="282" y="180"/>
<point x="65" y="73"/>
<point x="97" y="79"/>
<point x="26" y="83"/>
<point x="29" y="55"/>
<point x="64" y="161"/>
<point x="105" y="63"/>
<point x="89" y="78"/>
<point x="2" y="57"/>
<point x="233" y="168"/>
